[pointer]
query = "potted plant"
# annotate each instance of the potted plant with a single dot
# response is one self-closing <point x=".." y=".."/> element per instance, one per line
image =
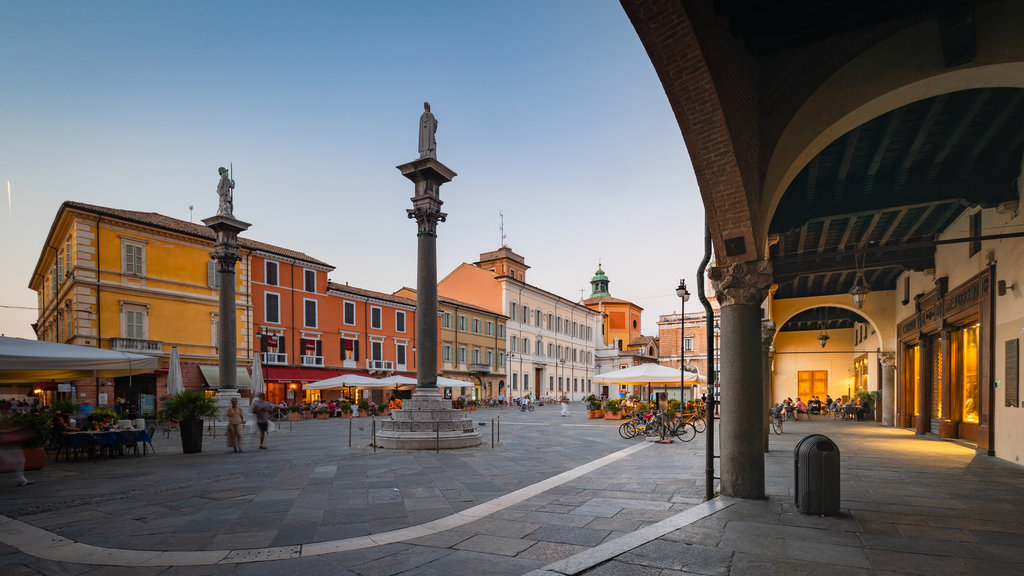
<point x="190" y="408"/>
<point x="35" y="429"/>
<point x="364" y="407"/>
<point x="594" y="407"/>
<point x="612" y="409"/>
<point x="294" y="413"/>
<point x="323" y="413"/>
<point x="673" y="408"/>
<point x="346" y="409"/>
<point x="459" y="404"/>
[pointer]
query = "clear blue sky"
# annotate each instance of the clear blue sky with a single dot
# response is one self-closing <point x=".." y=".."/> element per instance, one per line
<point x="549" y="111"/>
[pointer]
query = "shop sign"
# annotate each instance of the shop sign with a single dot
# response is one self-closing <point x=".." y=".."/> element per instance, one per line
<point x="271" y="341"/>
<point x="65" y="387"/>
<point x="309" y="345"/>
<point x="964" y="297"/>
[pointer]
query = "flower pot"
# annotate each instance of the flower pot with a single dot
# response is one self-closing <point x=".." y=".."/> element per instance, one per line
<point x="615" y="416"/>
<point x="595" y="414"/>
<point x="322" y="416"/>
<point x="294" y="417"/>
<point x="191" y="436"/>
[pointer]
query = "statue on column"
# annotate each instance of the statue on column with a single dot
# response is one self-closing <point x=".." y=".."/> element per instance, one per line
<point x="224" y="191"/>
<point x="428" y="127"/>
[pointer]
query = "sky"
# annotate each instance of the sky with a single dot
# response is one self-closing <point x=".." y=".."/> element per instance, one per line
<point x="549" y="111"/>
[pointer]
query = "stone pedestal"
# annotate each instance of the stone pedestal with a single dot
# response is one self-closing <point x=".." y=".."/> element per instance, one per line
<point x="427" y="422"/>
<point x="223" y="397"/>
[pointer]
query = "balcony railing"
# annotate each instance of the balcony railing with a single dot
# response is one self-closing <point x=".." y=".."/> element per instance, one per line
<point x="134" y="345"/>
<point x="274" y="358"/>
<point x="480" y="367"/>
<point x="380" y="365"/>
<point x="312" y="360"/>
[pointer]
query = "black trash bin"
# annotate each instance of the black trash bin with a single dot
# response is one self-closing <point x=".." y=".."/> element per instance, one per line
<point x="816" y="475"/>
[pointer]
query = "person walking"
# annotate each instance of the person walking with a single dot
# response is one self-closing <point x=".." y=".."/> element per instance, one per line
<point x="11" y="439"/>
<point x="235" y="421"/>
<point x="564" y="401"/>
<point x="262" y="409"/>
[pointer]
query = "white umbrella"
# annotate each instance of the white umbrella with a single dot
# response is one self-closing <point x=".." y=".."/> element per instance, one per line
<point x="258" y="386"/>
<point x="24" y="360"/>
<point x="175" y="383"/>
<point x="343" y="381"/>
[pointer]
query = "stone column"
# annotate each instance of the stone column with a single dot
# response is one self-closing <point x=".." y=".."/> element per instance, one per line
<point x="428" y="175"/>
<point x="767" y="336"/>
<point x="740" y="289"/>
<point x="888" y="361"/>
<point x="225" y="253"/>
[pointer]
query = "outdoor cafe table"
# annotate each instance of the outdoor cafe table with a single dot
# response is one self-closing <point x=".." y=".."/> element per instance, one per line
<point x="114" y="439"/>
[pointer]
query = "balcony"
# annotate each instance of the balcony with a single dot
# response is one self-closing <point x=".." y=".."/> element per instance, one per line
<point x="480" y="368"/>
<point x="312" y="360"/>
<point x="133" y="345"/>
<point x="380" y="365"/>
<point x="274" y="358"/>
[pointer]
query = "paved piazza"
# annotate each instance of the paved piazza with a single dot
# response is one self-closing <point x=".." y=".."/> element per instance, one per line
<point x="557" y="496"/>
<point x="551" y="488"/>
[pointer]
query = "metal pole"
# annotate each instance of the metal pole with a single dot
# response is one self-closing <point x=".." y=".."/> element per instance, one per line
<point x="492" y="432"/>
<point x="349" y="432"/>
<point x="373" y="433"/>
<point x="499" y="428"/>
<point x="709" y="410"/>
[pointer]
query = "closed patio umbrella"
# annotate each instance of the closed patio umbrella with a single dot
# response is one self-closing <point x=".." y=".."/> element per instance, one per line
<point x="175" y="383"/>
<point x="258" y="386"/>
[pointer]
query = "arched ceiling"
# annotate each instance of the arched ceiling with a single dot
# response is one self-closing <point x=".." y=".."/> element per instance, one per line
<point x="880" y="194"/>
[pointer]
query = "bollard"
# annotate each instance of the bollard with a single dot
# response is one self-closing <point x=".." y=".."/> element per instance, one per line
<point x="499" y="428"/>
<point x="492" y="432"/>
<point x="349" y="432"/>
<point x="373" y="434"/>
<point x="437" y="445"/>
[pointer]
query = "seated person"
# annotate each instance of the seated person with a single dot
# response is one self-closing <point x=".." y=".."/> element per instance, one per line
<point x="788" y="410"/>
<point x="814" y="406"/>
<point x="106" y="424"/>
<point x="801" y="407"/>
<point x="863" y="409"/>
<point x="62" y="423"/>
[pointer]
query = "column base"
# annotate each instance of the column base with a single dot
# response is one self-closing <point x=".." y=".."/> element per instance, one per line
<point x="427" y="422"/>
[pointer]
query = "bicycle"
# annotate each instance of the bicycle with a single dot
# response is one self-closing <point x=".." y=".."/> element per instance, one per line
<point x="775" y="417"/>
<point x="526" y="407"/>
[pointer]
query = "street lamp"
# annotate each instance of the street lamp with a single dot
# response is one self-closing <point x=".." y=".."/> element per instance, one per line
<point x="684" y="295"/>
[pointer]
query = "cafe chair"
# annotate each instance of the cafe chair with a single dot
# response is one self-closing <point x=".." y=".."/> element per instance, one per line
<point x="150" y="431"/>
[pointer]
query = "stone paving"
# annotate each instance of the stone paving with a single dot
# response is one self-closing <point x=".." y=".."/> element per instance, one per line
<point x="553" y="496"/>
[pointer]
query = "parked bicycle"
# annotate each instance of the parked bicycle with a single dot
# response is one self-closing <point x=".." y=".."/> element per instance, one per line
<point x="655" y="423"/>
<point x="775" y="416"/>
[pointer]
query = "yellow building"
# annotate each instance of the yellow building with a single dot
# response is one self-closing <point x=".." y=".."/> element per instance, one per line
<point x="139" y="282"/>
<point x="472" y="346"/>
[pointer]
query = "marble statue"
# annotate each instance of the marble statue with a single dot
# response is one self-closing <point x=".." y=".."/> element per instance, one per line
<point x="224" y="190"/>
<point x="428" y="126"/>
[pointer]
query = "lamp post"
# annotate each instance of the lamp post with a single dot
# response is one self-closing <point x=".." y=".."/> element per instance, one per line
<point x="684" y="295"/>
<point x="508" y="373"/>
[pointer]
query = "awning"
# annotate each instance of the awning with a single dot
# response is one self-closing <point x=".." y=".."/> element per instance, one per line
<point x="212" y="375"/>
<point x="24" y="360"/>
<point x="289" y="374"/>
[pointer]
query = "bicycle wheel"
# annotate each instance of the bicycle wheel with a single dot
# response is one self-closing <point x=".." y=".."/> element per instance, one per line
<point x="699" y="424"/>
<point x="685" y="432"/>
<point x="776" y="425"/>
<point x="531" y="408"/>
<point x="626" y="430"/>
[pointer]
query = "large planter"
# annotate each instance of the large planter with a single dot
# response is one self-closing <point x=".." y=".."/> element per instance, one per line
<point x="615" y="416"/>
<point x="294" y="416"/>
<point x="878" y="410"/>
<point x="595" y="414"/>
<point x="191" y="436"/>
<point x="322" y="416"/>
<point x="35" y="458"/>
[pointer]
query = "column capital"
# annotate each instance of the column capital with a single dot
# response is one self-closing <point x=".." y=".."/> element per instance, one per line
<point x="887" y="358"/>
<point x="767" y="333"/>
<point x="742" y="282"/>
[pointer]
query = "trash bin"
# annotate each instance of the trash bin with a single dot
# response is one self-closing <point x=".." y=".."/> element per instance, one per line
<point x="816" y="475"/>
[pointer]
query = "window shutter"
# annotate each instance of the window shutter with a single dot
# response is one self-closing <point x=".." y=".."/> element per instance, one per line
<point x="280" y="345"/>
<point x="319" y="349"/>
<point x="263" y="343"/>
<point x="211" y="274"/>
<point x="355" y="351"/>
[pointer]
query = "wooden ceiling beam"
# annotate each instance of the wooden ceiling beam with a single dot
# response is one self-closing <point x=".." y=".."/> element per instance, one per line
<point x="870" y="230"/>
<point x="954" y="137"/>
<point x="967" y="166"/>
<point x="876" y="160"/>
<point x="922" y="134"/>
<point x="894" y="225"/>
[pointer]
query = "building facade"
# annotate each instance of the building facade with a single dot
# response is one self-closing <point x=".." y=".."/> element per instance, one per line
<point x="550" y="340"/>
